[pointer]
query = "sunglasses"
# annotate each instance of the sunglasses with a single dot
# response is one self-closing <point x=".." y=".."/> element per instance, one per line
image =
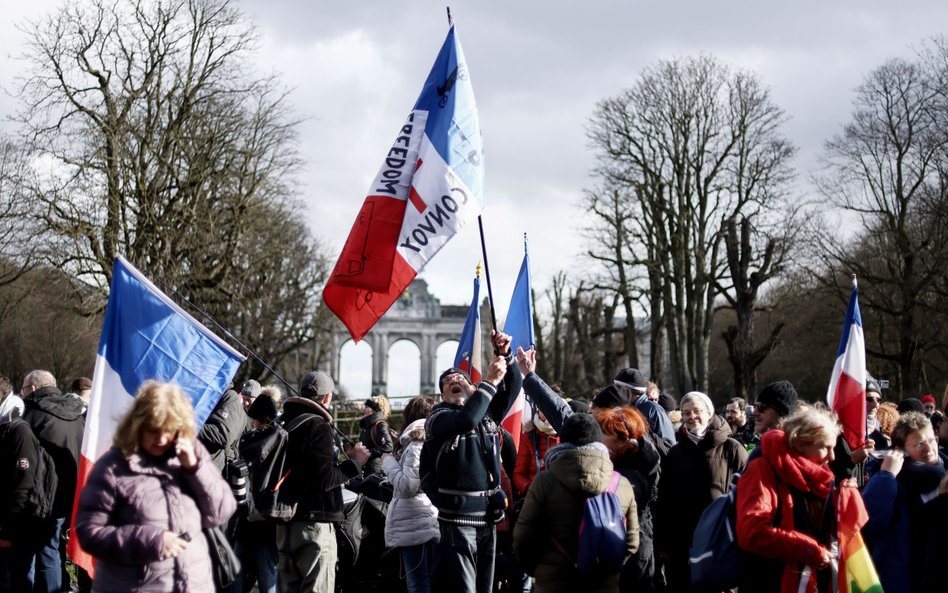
<point x="761" y="407"/>
<point x="873" y="399"/>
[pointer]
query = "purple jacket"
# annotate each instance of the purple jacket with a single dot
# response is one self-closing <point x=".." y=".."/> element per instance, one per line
<point x="128" y="504"/>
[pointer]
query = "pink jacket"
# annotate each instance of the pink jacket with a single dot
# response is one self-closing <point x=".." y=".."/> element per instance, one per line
<point x="128" y="504"/>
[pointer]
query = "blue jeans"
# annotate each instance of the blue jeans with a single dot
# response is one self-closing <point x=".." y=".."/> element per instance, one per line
<point x="49" y="569"/>
<point x="417" y="562"/>
<point x="257" y="559"/>
<point x="464" y="559"/>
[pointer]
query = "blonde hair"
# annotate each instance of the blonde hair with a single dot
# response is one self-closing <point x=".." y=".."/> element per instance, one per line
<point x="384" y="406"/>
<point x="157" y="406"/>
<point x="274" y="393"/>
<point x="809" y="425"/>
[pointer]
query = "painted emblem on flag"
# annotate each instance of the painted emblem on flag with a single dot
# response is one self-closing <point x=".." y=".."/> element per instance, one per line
<point x="23" y="463"/>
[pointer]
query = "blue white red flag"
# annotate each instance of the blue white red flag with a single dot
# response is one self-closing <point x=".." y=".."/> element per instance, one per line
<point x="430" y="185"/>
<point x="519" y="325"/>
<point x="847" y="389"/>
<point x="468" y="356"/>
<point x="145" y="336"/>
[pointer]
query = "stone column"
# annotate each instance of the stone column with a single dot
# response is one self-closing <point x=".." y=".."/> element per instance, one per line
<point x="428" y="361"/>
<point x="379" y="363"/>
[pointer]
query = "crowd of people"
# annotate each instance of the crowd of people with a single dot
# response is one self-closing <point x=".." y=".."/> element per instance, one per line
<point x="465" y="506"/>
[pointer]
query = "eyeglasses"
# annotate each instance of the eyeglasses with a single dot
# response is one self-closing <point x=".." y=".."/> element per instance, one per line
<point x="929" y="443"/>
<point x="761" y="407"/>
<point x="873" y="399"/>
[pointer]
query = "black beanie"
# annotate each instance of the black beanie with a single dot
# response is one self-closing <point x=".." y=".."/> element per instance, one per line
<point x="667" y="402"/>
<point x="610" y="397"/>
<point x="450" y="371"/>
<point x="261" y="408"/>
<point x="580" y="429"/>
<point x="780" y="396"/>
<point x="911" y="404"/>
<point x="633" y="379"/>
<point x="371" y="403"/>
<point x="578" y="406"/>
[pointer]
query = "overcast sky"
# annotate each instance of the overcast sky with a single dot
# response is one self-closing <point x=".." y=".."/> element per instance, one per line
<point x="538" y="68"/>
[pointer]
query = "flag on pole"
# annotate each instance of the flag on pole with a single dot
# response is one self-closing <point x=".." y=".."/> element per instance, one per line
<point x="430" y="184"/>
<point x="847" y="389"/>
<point x="857" y="573"/>
<point x="468" y="356"/>
<point x="146" y="335"/>
<point x="519" y="325"/>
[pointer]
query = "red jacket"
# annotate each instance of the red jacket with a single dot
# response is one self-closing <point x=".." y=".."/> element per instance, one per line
<point x="760" y="492"/>
<point x="526" y="468"/>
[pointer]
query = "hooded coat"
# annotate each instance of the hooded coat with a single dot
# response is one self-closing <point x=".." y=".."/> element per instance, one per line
<point x="127" y="506"/>
<point x="693" y="475"/>
<point x="58" y="423"/>
<point x="553" y="509"/>
<point x="222" y="431"/>
<point x="377" y="438"/>
<point x="778" y="548"/>
<point x="411" y="518"/>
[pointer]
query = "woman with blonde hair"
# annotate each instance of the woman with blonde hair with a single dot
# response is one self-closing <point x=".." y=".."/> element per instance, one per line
<point x="786" y="506"/>
<point x="142" y="511"/>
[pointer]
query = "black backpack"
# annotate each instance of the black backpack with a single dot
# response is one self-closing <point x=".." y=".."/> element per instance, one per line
<point x="264" y="451"/>
<point x="43" y="494"/>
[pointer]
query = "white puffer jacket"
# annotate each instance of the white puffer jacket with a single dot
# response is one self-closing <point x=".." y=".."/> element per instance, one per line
<point x="411" y="519"/>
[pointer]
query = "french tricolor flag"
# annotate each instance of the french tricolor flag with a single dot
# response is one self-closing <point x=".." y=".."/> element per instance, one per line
<point x="468" y="356"/>
<point x="145" y="336"/>
<point x="847" y="388"/>
<point x="519" y="325"/>
<point x="430" y="185"/>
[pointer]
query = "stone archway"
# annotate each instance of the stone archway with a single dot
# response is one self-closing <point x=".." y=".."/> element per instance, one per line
<point x="416" y="316"/>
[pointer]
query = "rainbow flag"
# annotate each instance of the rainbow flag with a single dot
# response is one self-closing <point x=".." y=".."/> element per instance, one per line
<point x="857" y="573"/>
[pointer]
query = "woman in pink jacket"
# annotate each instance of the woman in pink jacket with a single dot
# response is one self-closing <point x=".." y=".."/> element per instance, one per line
<point x="142" y="511"/>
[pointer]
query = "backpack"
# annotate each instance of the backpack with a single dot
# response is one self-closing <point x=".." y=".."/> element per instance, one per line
<point x="43" y="494"/>
<point x="714" y="557"/>
<point x="264" y="451"/>
<point x="602" y="533"/>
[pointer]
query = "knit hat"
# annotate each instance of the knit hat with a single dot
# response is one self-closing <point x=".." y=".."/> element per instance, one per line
<point x="371" y="403"/>
<point x="928" y="399"/>
<point x="251" y="388"/>
<point x="631" y="378"/>
<point x="448" y="372"/>
<point x="872" y="384"/>
<point x="701" y="397"/>
<point x="667" y="402"/>
<point x="610" y="397"/>
<point x="316" y="384"/>
<point x="578" y="406"/>
<point x="780" y="396"/>
<point x="261" y="408"/>
<point x="911" y="404"/>
<point x="580" y="429"/>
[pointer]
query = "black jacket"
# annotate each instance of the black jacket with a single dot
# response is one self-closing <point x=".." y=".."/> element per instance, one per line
<point x="316" y="477"/>
<point x="377" y="439"/>
<point x="693" y="475"/>
<point x="58" y="423"/>
<point x="18" y="462"/>
<point x="222" y="431"/>
<point x="460" y="460"/>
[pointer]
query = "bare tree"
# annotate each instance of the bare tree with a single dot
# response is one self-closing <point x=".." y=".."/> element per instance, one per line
<point x="18" y="221"/>
<point x="690" y="145"/>
<point x="887" y="170"/>
<point x="163" y="148"/>
<point x="742" y="296"/>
